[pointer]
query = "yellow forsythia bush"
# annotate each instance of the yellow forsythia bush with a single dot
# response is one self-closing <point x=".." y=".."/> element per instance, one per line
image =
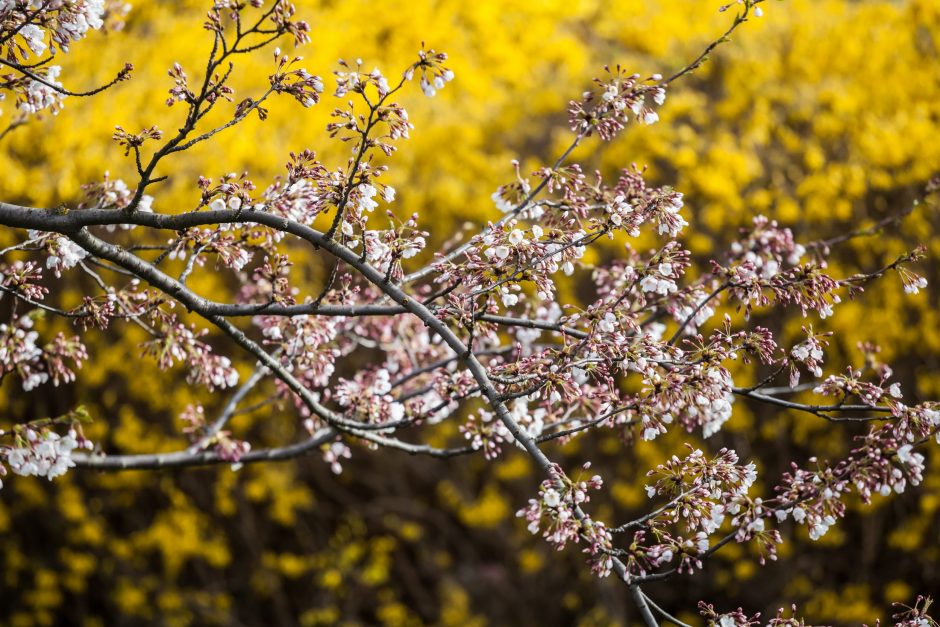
<point x="823" y="114"/>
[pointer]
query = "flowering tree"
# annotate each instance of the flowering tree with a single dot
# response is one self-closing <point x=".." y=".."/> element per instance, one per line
<point x="399" y="338"/>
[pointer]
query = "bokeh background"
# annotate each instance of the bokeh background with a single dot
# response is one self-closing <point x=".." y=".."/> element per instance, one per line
<point x="824" y="114"/>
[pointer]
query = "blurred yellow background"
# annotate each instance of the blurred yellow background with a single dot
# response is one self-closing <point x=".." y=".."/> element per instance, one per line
<point x="823" y="114"/>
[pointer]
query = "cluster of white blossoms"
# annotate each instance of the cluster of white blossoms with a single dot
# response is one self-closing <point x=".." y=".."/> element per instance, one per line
<point x="532" y="421"/>
<point x="362" y="200"/>
<point x="714" y="407"/>
<point x="65" y="22"/>
<point x="915" y="286"/>
<point x="809" y="353"/>
<point x="620" y="210"/>
<point x="63" y="252"/>
<point x="659" y="280"/>
<point x="19" y="351"/>
<point x="115" y="194"/>
<point x="366" y="198"/>
<point x="83" y="16"/>
<point x="550" y="312"/>
<point x="69" y="254"/>
<point x="766" y="266"/>
<point x="671" y="221"/>
<point x="567" y="266"/>
<point x="369" y="395"/>
<point x="34" y="36"/>
<point x="297" y="202"/>
<point x="42" y="95"/>
<point x="637" y="102"/>
<point x="334" y="454"/>
<point x="48" y="455"/>
<point x="431" y="87"/>
<point x="71" y="21"/>
<point x="221" y="374"/>
<point x="607" y="324"/>
<point x="699" y="313"/>
<point x="820" y="527"/>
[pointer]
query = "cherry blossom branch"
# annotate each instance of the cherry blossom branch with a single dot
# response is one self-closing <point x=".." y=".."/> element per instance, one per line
<point x="187" y="458"/>
<point x="685" y="323"/>
<point x="178" y="291"/>
<point x="738" y="20"/>
<point x="229" y="410"/>
<point x="209" y="93"/>
<point x="666" y="574"/>
<point x="123" y="75"/>
<point x="29" y="301"/>
<point x="460" y="250"/>
<point x="73" y="223"/>
<point x="639" y="522"/>
<point x="663" y="612"/>
<point x="532" y="324"/>
<point x="548" y="390"/>
<point x="875" y="229"/>
<point x="817" y="410"/>
<point x="639" y="599"/>
<point x="243" y="113"/>
<point x="76" y="232"/>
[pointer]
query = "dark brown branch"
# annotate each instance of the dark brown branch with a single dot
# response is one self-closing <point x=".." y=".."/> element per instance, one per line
<point x="204" y="458"/>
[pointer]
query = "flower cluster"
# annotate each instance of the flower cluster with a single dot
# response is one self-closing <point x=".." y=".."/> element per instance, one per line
<point x="757" y="269"/>
<point x="622" y="96"/>
<point x="34" y="364"/>
<point x="270" y="282"/>
<point x="307" y="347"/>
<point x="691" y="308"/>
<point x="702" y="493"/>
<point x="913" y="283"/>
<point x="386" y="249"/>
<point x="367" y="398"/>
<point x="41" y="93"/>
<point x="114" y="194"/>
<point x="177" y="343"/>
<point x="559" y="510"/>
<point x="200" y="434"/>
<point x="512" y="196"/>
<point x="884" y="462"/>
<point x="299" y="83"/>
<point x="23" y="277"/>
<point x="852" y="384"/>
<point x="499" y="259"/>
<point x="133" y="141"/>
<point x="354" y="80"/>
<point x="63" y="253"/>
<point x="299" y="201"/>
<point x="434" y="75"/>
<point x="916" y="616"/>
<point x="809" y="354"/>
<point x="43" y="453"/>
<point x="180" y="92"/>
<point x="486" y="433"/>
<point x="699" y="395"/>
